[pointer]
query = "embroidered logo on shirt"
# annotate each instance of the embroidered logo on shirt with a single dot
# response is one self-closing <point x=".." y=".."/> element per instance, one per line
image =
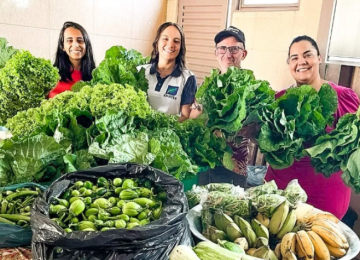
<point x="171" y="90"/>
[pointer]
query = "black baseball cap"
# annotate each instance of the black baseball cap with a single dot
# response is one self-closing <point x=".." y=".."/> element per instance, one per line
<point x="230" y="31"/>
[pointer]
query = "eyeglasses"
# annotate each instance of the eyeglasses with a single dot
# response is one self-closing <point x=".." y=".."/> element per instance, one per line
<point x="232" y="49"/>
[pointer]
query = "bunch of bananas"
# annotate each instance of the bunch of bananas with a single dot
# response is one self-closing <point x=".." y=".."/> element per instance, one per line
<point x="301" y="233"/>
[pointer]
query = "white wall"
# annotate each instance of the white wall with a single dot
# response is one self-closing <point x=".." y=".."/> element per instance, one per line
<point x="34" y="25"/>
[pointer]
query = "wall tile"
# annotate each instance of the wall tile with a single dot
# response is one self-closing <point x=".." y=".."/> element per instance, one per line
<point x="147" y="17"/>
<point x="80" y="11"/>
<point x="33" y="13"/>
<point x="102" y="43"/>
<point x="54" y="38"/>
<point x="113" y="17"/>
<point x="142" y="46"/>
<point x="35" y="40"/>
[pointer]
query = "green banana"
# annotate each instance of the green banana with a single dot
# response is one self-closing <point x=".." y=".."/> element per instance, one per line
<point x="288" y="225"/>
<point x="247" y="231"/>
<point x="233" y="231"/>
<point x="278" y="218"/>
<point x="261" y="241"/>
<point x="260" y="229"/>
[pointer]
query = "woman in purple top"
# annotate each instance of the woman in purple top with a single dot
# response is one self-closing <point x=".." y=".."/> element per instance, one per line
<point x="329" y="194"/>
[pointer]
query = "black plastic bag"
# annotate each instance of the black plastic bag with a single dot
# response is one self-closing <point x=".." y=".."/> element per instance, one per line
<point x="154" y="241"/>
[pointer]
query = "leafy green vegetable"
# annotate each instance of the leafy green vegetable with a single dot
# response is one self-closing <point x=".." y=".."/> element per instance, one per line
<point x="32" y="159"/>
<point x="119" y="66"/>
<point x="297" y="117"/>
<point x="96" y="100"/>
<point x="5" y="52"/>
<point x="24" y="83"/>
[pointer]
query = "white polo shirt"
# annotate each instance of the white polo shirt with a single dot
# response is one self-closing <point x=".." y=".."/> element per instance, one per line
<point x="168" y="94"/>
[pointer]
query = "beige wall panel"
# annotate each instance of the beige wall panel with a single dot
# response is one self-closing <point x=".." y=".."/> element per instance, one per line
<point x="102" y="43"/>
<point x="273" y="30"/>
<point x="172" y="11"/>
<point x="307" y="19"/>
<point x="80" y="11"/>
<point x="34" y="13"/>
<point x="268" y="36"/>
<point x="246" y="22"/>
<point x="147" y="17"/>
<point x="142" y="46"/>
<point x="113" y="17"/>
<point x="275" y="70"/>
<point x="35" y="40"/>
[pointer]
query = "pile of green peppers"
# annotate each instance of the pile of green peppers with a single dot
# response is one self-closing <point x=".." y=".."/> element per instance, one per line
<point x="16" y="205"/>
<point x="107" y="204"/>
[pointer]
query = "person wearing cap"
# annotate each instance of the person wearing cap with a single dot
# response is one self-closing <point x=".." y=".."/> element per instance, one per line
<point x="229" y="51"/>
<point x="172" y="87"/>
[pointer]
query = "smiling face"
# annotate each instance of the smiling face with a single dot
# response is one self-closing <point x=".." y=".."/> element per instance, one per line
<point x="169" y="44"/>
<point x="74" y="44"/>
<point x="228" y="59"/>
<point x="304" y="62"/>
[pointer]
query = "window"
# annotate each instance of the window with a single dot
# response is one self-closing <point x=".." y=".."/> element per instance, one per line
<point x="344" y="40"/>
<point x="268" y="5"/>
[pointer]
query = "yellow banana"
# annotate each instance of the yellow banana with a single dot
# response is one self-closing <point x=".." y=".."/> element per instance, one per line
<point x="278" y="218"/>
<point x="334" y="228"/>
<point x="250" y="251"/>
<point x="262" y="252"/>
<point x="288" y="242"/>
<point x="336" y="252"/>
<point x="299" y="252"/>
<point x="263" y="219"/>
<point x="329" y="237"/>
<point x="288" y="224"/>
<point x="302" y="210"/>
<point x="321" y="215"/>
<point x="277" y="251"/>
<point x="321" y="250"/>
<point x="304" y="244"/>
<point x="289" y="255"/>
<point x="260" y="229"/>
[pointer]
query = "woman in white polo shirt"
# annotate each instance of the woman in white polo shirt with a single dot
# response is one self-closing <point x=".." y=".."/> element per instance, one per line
<point x="172" y="87"/>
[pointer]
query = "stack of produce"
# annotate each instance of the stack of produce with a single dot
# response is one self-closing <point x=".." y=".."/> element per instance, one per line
<point x="107" y="204"/>
<point x="296" y="118"/>
<point x="339" y="150"/>
<point x="24" y="82"/>
<point x="123" y="211"/>
<point x="228" y="98"/>
<point x="16" y="205"/>
<point x="281" y="226"/>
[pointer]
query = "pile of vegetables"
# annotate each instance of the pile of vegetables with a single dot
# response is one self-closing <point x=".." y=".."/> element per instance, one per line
<point x="16" y="205"/>
<point x="228" y="98"/>
<point x="119" y="66"/>
<point x="296" y="118"/>
<point x="107" y="204"/>
<point x="280" y="222"/>
<point x="24" y="82"/>
<point x="339" y="150"/>
<point x="6" y="52"/>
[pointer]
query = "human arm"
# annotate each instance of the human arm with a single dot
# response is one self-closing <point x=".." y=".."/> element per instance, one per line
<point x="187" y="98"/>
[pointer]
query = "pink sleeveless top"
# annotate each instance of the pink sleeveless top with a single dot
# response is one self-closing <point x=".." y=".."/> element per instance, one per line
<point x="329" y="194"/>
